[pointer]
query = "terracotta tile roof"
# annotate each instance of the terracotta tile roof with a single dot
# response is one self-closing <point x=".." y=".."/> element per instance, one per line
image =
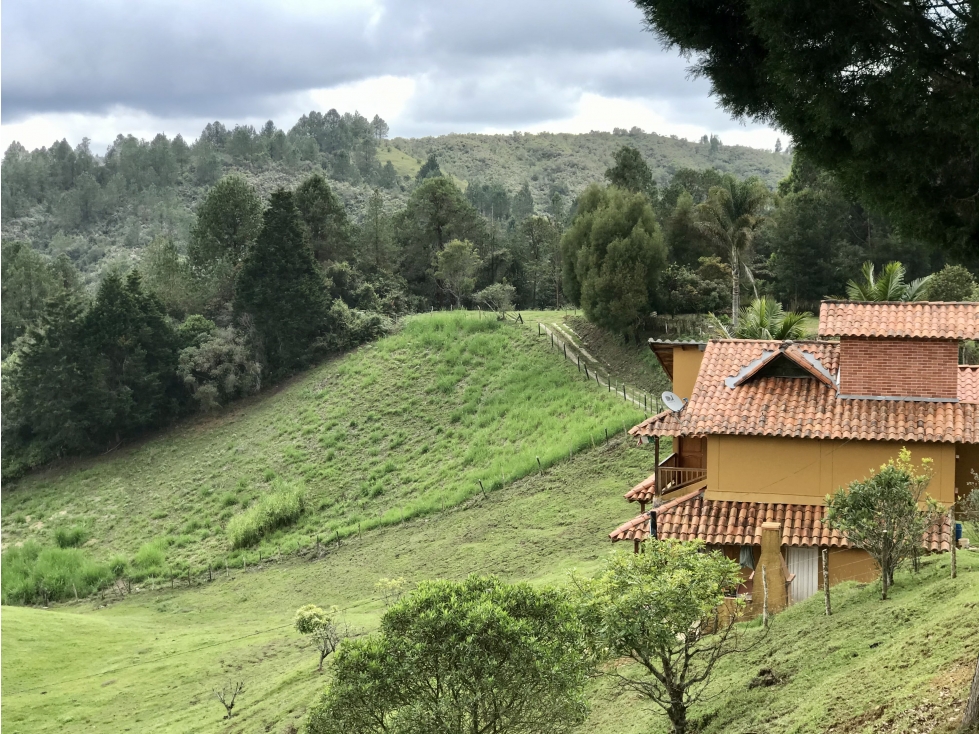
<point x="805" y="408"/>
<point x="718" y="522"/>
<point x="915" y="319"/>
<point x="644" y="491"/>
<point x="968" y="391"/>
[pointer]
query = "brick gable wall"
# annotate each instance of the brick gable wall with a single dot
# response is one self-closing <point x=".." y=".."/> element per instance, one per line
<point x="899" y="367"/>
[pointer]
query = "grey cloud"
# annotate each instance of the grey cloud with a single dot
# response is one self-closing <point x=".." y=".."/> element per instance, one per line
<point x="508" y="63"/>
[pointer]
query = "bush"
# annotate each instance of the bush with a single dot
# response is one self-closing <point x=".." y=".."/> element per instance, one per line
<point x="70" y="537"/>
<point x="151" y="558"/>
<point x="32" y="574"/>
<point x="951" y="283"/>
<point x="275" y="509"/>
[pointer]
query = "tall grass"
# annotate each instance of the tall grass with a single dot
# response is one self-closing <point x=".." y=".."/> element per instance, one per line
<point x="33" y="574"/>
<point x="279" y="507"/>
<point x="70" y="537"/>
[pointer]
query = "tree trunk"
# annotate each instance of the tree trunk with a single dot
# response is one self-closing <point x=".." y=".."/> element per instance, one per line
<point x="883" y="583"/>
<point x="677" y="712"/>
<point x="970" y="719"/>
<point x="735" y="289"/>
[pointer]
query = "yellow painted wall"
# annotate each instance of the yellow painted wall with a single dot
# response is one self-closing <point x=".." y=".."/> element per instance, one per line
<point x="848" y="565"/>
<point x="968" y="459"/>
<point x="686" y="366"/>
<point x="765" y="469"/>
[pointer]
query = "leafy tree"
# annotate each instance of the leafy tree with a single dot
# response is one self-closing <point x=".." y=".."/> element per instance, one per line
<point x="217" y="366"/>
<point x="854" y="85"/>
<point x="436" y="213"/>
<point x="498" y="297"/>
<point x="322" y="627"/>
<point x="280" y="289"/>
<point x="890" y="286"/>
<point x="388" y="177"/>
<point x="28" y="282"/>
<point x="379" y="128"/>
<point x="660" y="609"/>
<point x="181" y="153"/>
<point x="883" y="514"/>
<point x="207" y="165"/>
<point x="523" y="203"/>
<point x="695" y="291"/>
<point x="430" y="169"/>
<point x="228" y="222"/>
<point x="376" y="244"/>
<point x="472" y="656"/>
<point x="324" y="218"/>
<point x="539" y="251"/>
<point x="613" y="256"/>
<point x="631" y="173"/>
<point x="729" y="218"/>
<point x="456" y="267"/>
<point x="951" y="283"/>
<point x="169" y="276"/>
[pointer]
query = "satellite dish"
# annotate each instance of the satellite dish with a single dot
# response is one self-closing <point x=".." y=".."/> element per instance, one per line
<point x="673" y="401"/>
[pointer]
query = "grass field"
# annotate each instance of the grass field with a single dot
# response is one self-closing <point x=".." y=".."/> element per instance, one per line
<point x="148" y="662"/>
<point x="451" y="406"/>
<point x="448" y="401"/>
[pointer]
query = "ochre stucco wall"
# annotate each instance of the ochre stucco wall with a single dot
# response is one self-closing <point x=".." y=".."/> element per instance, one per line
<point x="765" y="469"/>
<point x="968" y="459"/>
<point x="686" y="365"/>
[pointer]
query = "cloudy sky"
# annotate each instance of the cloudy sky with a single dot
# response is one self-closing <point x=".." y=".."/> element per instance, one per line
<point x="95" y="68"/>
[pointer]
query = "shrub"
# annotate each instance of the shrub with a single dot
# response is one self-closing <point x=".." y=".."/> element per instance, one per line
<point x="151" y="557"/>
<point x="70" y="537"/>
<point x="275" y="509"/>
<point x="228" y="499"/>
<point x="33" y="574"/>
<point x="951" y="283"/>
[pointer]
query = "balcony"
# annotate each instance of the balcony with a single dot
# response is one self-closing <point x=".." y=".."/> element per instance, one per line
<point x="674" y="477"/>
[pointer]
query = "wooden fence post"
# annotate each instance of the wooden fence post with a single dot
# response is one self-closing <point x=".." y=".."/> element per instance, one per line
<point x="952" y="544"/>
<point x="829" y="611"/>
<point x="764" y="604"/>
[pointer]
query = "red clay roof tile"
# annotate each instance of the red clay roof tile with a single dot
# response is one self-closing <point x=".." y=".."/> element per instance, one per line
<point x="718" y="522"/>
<point x="914" y="319"/>
<point x="804" y="408"/>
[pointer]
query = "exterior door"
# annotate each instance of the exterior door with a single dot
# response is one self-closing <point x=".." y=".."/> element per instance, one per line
<point x="804" y="563"/>
<point x="692" y="452"/>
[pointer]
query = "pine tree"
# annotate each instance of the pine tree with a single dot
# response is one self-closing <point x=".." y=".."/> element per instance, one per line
<point x="324" y="220"/>
<point x="127" y="330"/>
<point x="52" y="400"/>
<point x="280" y="289"/>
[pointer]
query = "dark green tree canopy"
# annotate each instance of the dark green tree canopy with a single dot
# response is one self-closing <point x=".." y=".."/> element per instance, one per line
<point x="430" y="168"/>
<point x="280" y="288"/>
<point x="459" y="657"/>
<point x="631" y="173"/>
<point x="613" y="257"/>
<point x="882" y="94"/>
<point x="227" y="223"/>
<point x="324" y="220"/>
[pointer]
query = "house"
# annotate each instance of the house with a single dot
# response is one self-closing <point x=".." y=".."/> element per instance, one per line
<point x="770" y="428"/>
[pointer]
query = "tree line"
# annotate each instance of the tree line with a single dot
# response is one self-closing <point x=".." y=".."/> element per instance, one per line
<point x="261" y="289"/>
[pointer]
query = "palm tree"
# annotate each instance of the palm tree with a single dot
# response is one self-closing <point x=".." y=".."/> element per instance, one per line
<point x="890" y="286"/>
<point x="766" y="319"/>
<point x="729" y="219"/>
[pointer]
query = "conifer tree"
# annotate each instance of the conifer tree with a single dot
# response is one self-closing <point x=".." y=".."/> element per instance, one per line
<point x="281" y="290"/>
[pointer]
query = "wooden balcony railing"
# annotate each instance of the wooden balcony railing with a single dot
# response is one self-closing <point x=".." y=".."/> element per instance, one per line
<point x="675" y="477"/>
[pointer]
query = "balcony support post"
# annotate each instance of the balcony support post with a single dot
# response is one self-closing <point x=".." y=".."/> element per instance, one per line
<point x="657" y="487"/>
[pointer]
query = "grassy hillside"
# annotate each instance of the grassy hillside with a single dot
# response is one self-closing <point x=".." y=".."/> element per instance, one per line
<point x="571" y="162"/>
<point x="149" y="661"/>
<point x="398" y="429"/>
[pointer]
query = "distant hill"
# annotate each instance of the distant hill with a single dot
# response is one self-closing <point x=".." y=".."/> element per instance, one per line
<point x="570" y="162"/>
<point x="102" y="209"/>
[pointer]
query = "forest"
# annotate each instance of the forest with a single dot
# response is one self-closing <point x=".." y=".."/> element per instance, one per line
<point x="166" y="278"/>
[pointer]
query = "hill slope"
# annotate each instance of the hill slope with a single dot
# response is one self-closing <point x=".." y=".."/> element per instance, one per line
<point x="149" y="662"/>
<point x="570" y="162"/>
<point x="404" y="427"/>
